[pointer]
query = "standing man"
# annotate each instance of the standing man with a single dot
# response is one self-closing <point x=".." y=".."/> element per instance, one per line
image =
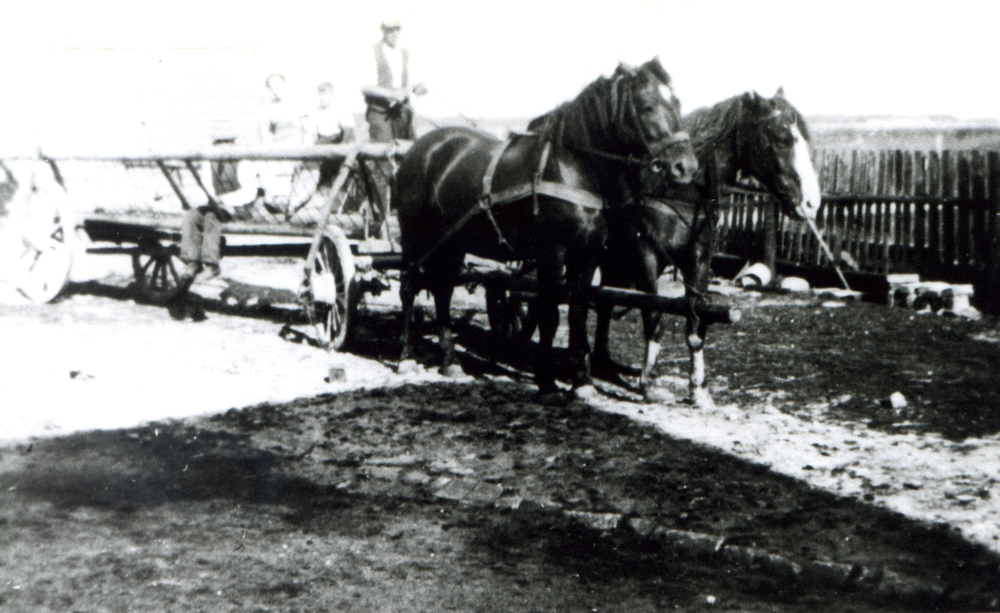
<point x="389" y="113"/>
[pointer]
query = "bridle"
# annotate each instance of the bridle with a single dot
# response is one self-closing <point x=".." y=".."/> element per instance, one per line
<point x="656" y="164"/>
<point x="625" y="105"/>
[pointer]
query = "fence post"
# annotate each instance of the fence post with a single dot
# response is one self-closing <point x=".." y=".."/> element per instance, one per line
<point x="988" y="291"/>
<point x="771" y="236"/>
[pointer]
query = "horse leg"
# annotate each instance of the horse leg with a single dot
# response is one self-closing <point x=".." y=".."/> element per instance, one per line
<point x="579" y="345"/>
<point x="695" y="335"/>
<point x="442" y="305"/>
<point x="600" y="359"/>
<point x="546" y="307"/>
<point x="407" y="296"/>
<point x="651" y="332"/>
<point x="695" y="329"/>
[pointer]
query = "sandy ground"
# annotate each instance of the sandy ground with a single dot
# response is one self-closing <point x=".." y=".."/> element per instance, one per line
<point x="89" y="362"/>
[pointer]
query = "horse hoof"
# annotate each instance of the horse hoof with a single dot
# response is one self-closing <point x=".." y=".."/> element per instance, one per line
<point x="658" y="395"/>
<point x="453" y="371"/>
<point x="585" y="392"/>
<point x="408" y="367"/>
<point x="602" y="367"/>
<point x="701" y="399"/>
<point x="552" y="399"/>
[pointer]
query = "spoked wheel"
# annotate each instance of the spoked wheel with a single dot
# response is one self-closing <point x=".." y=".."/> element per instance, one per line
<point x="157" y="274"/>
<point x="41" y="235"/>
<point x="334" y="291"/>
<point x="45" y="262"/>
<point x="508" y="317"/>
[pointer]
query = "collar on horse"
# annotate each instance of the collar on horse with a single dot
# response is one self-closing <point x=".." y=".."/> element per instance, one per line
<point x="537" y="186"/>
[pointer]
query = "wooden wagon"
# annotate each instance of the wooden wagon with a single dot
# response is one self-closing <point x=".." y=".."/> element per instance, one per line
<point x="349" y="243"/>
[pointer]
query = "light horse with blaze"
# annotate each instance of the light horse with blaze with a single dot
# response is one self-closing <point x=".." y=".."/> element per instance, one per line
<point x="766" y="139"/>
<point x="538" y="197"/>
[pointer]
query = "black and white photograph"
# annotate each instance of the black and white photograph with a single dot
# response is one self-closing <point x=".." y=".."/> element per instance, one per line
<point x="584" y="306"/>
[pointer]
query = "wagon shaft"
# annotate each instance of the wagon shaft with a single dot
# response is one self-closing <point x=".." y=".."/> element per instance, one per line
<point x="708" y="313"/>
<point x="526" y="289"/>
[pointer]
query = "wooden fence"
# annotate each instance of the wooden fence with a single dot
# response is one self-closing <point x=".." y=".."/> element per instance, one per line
<point x="893" y="211"/>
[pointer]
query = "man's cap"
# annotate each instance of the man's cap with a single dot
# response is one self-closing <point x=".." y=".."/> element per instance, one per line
<point x="392" y="24"/>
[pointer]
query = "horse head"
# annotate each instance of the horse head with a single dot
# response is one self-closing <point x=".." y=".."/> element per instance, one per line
<point x="659" y="116"/>
<point x="774" y="146"/>
<point x="631" y="115"/>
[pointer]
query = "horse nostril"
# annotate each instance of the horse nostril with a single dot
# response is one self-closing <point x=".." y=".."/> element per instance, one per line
<point x="681" y="170"/>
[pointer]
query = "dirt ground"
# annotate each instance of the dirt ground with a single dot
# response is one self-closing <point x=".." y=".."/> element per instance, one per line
<point x="155" y="464"/>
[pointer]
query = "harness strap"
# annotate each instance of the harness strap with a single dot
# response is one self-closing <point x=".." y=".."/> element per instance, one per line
<point x="677" y="137"/>
<point x="560" y="191"/>
<point x="538" y="175"/>
<point x="486" y="200"/>
<point x="492" y="168"/>
<point x="490" y="199"/>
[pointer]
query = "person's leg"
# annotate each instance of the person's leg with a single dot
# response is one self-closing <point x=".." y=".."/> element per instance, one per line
<point x="191" y="241"/>
<point x="381" y="129"/>
<point x="379" y="126"/>
<point x="402" y="123"/>
<point x="211" y="244"/>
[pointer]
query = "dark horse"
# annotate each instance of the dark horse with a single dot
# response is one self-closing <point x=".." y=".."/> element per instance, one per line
<point x="536" y="197"/>
<point x="766" y="139"/>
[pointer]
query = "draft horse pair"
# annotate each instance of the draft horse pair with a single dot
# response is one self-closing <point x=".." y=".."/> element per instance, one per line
<point x="537" y="197"/>
<point x="571" y="195"/>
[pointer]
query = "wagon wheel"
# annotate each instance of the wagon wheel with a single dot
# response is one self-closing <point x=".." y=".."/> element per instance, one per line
<point x="44" y="263"/>
<point x="508" y="318"/>
<point x="38" y="239"/>
<point x="335" y="292"/>
<point x="156" y="273"/>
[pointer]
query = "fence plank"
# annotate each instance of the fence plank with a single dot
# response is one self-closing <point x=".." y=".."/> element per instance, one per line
<point x="978" y="222"/>
<point x="882" y="216"/>
<point x="934" y="174"/>
<point x="963" y="211"/>
<point x="988" y="288"/>
<point x="920" y="209"/>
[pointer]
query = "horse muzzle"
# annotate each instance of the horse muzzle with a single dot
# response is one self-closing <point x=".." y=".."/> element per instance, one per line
<point x="676" y="160"/>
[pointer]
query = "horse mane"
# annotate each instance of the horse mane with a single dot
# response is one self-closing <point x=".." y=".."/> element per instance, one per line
<point x="709" y="126"/>
<point x="595" y="118"/>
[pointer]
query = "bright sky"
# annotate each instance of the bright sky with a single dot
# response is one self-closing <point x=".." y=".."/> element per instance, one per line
<point x="130" y="71"/>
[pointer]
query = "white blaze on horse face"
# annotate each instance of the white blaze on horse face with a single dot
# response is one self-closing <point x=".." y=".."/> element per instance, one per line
<point x="809" y="206"/>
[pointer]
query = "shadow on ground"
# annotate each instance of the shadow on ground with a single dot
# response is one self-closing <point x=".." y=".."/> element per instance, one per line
<point x="451" y="497"/>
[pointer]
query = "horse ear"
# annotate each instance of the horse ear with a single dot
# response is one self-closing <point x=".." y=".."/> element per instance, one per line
<point x="755" y="102"/>
<point x="654" y="66"/>
<point x="625" y="69"/>
<point x="780" y="93"/>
